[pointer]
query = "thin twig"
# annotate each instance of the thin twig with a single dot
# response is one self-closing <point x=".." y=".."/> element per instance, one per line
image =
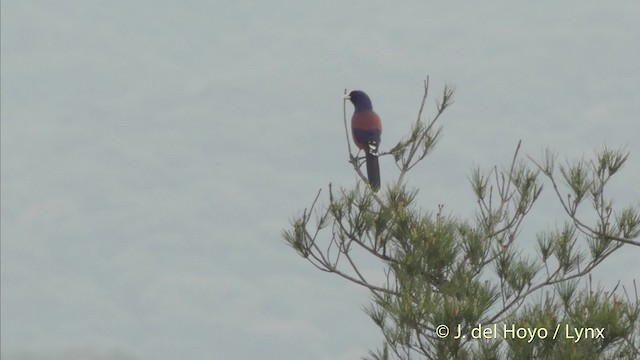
<point x="344" y="117"/>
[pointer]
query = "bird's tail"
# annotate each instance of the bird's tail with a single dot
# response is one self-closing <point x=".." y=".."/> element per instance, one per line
<point x="373" y="167"/>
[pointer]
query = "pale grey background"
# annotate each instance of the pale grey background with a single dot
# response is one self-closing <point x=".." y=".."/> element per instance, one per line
<point x="152" y="151"/>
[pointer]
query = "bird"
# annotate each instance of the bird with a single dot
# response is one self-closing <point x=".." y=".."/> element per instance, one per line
<point x="366" y="129"/>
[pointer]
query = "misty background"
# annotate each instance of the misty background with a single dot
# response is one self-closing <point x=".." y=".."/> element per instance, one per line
<point x="152" y="152"/>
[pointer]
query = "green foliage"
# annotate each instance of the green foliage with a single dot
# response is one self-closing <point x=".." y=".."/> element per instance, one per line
<point x="474" y="277"/>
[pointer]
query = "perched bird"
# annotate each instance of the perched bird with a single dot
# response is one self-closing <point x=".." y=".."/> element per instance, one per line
<point x="366" y="129"/>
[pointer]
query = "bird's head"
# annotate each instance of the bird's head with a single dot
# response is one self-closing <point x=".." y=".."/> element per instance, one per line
<point x="360" y="100"/>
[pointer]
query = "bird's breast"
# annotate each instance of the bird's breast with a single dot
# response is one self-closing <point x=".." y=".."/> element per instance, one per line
<point x="366" y="127"/>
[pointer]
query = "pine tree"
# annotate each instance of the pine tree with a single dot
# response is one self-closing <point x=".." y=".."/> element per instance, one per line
<point x="469" y="289"/>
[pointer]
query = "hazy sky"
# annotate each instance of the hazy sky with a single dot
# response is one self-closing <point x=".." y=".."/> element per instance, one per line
<point x="152" y="151"/>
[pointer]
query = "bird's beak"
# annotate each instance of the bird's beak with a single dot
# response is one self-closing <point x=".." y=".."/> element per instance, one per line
<point x="346" y="97"/>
